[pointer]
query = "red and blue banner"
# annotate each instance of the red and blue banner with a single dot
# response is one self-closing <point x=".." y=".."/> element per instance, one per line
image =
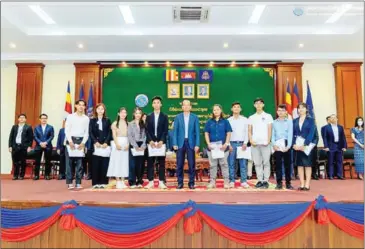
<point x="140" y="226"/>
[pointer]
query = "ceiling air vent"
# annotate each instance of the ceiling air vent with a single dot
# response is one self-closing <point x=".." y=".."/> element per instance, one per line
<point x="188" y="14"/>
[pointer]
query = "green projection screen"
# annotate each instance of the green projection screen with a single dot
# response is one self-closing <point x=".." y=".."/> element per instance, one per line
<point x="121" y="85"/>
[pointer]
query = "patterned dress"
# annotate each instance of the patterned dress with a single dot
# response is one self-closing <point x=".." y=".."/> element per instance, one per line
<point x="358" y="151"/>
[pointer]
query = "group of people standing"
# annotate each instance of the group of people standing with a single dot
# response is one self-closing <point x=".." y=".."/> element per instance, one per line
<point x="119" y="149"/>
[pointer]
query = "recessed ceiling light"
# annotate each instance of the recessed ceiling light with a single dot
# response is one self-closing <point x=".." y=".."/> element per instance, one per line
<point x="233" y="64"/>
<point x="256" y="13"/>
<point x="80" y="45"/>
<point x="146" y="63"/>
<point x="151" y="45"/>
<point x="225" y="45"/>
<point x="211" y="63"/>
<point x="340" y="11"/>
<point x="12" y="45"/>
<point x="301" y="45"/>
<point x="43" y="15"/>
<point x="127" y="14"/>
<point x="167" y="63"/>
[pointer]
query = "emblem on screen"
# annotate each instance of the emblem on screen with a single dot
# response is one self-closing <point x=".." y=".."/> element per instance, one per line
<point x="141" y="100"/>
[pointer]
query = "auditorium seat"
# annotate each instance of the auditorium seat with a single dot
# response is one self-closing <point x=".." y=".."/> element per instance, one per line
<point x="348" y="161"/>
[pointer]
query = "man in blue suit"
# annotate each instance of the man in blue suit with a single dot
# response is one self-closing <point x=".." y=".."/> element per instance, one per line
<point x="334" y="141"/>
<point x="43" y="135"/>
<point x="186" y="141"/>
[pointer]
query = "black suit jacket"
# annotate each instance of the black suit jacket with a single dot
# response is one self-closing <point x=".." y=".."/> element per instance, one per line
<point x="97" y="135"/>
<point x="27" y="136"/>
<point x="162" y="128"/>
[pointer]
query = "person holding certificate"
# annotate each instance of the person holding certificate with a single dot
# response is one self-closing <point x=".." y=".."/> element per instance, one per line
<point x="100" y="134"/>
<point x="157" y="127"/>
<point x="259" y="133"/>
<point x="77" y="133"/>
<point x="217" y="136"/>
<point x="282" y="137"/>
<point x="186" y="140"/>
<point x="239" y="140"/>
<point x="303" y="133"/>
<point x="119" y="157"/>
<point x="137" y="139"/>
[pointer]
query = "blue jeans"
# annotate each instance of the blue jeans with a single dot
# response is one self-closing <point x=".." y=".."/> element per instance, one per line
<point x="232" y="161"/>
<point x="70" y="161"/>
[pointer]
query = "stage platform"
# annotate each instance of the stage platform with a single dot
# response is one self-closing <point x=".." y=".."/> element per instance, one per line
<point x="56" y="191"/>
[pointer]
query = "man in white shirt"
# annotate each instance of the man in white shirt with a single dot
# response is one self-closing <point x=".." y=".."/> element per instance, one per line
<point x="259" y="132"/>
<point x="239" y="140"/>
<point x="77" y="133"/>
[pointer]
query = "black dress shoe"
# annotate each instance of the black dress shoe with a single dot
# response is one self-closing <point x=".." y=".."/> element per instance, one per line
<point x="265" y="185"/>
<point x="306" y="189"/>
<point x="341" y="178"/>
<point x="15" y="178"/>
<point x="191" y="187"/>
<point x="60" y="177"/>
<point x="331" y="178"/>
<point x="47" y="177"/>
<point x="300" y="189"/>
<point x="180" y="186"/>
<point x="88" y="178"/>
<point x="315" y="177"/>
<point x="289" y="186"/>
<point x="36" y="178"/>
<point x="21" y="178"/>
<point x="259" y="185"/>
<point x="279" y="186"/>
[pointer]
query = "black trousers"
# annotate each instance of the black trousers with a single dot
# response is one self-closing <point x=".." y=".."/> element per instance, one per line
<point x="279" y="157"/>
<point x="315" y="168"/>
<point x="62" y="168"/>
<point x="19" y="155"/>
<point x="138" y="161"/>
<point x="87" y="163"/>
<point x="47" y="157"/>
<point x="99" y="170"/>
<point x="151" y="168"/>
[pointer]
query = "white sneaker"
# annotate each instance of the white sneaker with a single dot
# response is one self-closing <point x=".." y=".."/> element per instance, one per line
<point x="231" y="184"/>
<point x="78" y="186"/>
<point x="96" y="186"/>
<point x="139" y="186"/>
<point x="133" y="186"/>
<point x="245" y="185"/>
<point x="149" y="185"/>
<point x="211" y="185"/>
<point x="162" y="185"/>
<point x="119" y="185"/>
<point x="226" y="186"/>
<point x="71" y="186"/>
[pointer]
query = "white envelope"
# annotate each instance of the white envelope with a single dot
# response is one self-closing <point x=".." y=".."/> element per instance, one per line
<point x="216" y="151"/>
<point x="137" y="153"/>
<point x="243" y="154"/>
<point x="309" y="148"/>
<point x="103" y="152"/>
<point x="76" y="152"/>
<point x="281" y="144"/>
<point x="152" y="152"/>
<point x="299" y="141"/>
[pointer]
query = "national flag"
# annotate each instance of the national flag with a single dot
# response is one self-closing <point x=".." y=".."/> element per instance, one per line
<point x="309" y="102"/>
<point x="295" y="100"/>
<point x="288" y="101"/>
<point x="171" y="75"/>
<point x="68" y="105"/>
<point x="205" y="75"/>
<point x="187" y="75"/>
<point x="90" y="102"/>
<point x="81" y="93"/>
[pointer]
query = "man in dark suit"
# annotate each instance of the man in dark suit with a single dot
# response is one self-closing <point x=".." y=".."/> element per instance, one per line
<point x="43" y="135"/>
<point x="315" y="168"/>
<point x="20" y="143"/>
<point x="324" y="127"/>
<point x="334" y="141"/>
<point x="157" y="127"/>
<point x="186" y="141"/>
<point x="61" y="146"/>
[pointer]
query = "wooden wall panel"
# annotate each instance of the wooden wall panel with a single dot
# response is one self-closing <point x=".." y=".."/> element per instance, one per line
<point x="308" y="235"/>
<point x="29" y="91"/>
<point x="348" y="94"/>
<point x="87" y="73"/>
<point x="289" y="71"/>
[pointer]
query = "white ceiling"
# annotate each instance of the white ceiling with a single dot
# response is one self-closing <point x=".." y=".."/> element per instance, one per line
<point x="100" y="27"/>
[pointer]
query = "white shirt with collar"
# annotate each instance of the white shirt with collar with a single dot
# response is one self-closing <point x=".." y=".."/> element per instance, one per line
<point x="44" y="128"/>
<point x="239" y="129"/>
<point x="335" y="132"/>
<point x="18" y="138"/>
<point x="157" y="115"/>
<point x="186" y="122"/>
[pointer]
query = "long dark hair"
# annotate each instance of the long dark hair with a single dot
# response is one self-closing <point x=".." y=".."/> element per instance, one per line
<point x="220" y="107"/>
<point x="141" y="123"/>
<point x="118" y="117"/>
<point x="357" y="119"/>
